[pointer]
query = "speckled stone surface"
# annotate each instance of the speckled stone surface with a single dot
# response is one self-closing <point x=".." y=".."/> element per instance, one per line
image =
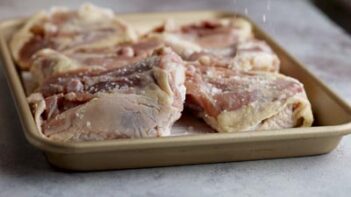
<point x="296" y="24"/>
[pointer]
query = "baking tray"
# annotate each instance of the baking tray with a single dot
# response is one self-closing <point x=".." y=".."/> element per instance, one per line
<point x="332" y="122"/>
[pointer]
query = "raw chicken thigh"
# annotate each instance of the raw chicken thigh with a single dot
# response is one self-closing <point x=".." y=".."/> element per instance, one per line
<point x="139" y="100"/>
<point x="232" y="101"/>
<point x="229" y="41"/>
<point x="47" y="62"/>
<point x="62" y="29"/>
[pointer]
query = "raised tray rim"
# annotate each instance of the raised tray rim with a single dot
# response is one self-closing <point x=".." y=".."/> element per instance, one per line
<point x="45" y="144"/>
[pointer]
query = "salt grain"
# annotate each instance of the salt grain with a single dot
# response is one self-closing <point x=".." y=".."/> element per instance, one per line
<point x="246" y="11"/>
<point x="264" y="18"/>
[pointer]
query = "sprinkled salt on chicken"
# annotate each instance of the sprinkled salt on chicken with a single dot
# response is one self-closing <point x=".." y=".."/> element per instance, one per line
<point x="62" y="29"/>
<point x="229" y="41"/>
<point x="138" y="100"/>
<point x="48" y="62"/>
<point x="232" y="101"/>
<point x="210" y="33"/>
<point x="252" y="55"/>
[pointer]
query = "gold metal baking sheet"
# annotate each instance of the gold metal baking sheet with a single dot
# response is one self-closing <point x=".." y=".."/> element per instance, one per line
<point x="333" y="117"/>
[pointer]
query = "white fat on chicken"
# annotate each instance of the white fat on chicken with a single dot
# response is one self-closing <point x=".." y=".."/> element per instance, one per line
<point x="63" y="29"/>
<point x="233" y="101"/>
<point x="189" y="38"/>
<point x="127" y="111"/>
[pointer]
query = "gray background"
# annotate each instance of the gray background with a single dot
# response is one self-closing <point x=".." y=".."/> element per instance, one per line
<point x="297" y="25"/>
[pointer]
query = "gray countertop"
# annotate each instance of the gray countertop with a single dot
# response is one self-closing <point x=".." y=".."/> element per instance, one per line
<point x="297" y="25"/>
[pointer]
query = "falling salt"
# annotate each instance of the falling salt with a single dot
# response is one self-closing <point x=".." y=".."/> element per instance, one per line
<point x="88" y="124"/>
<point x="264" y="18"/>
<point x="268" y="5"/>
<point x="246" y="11"/>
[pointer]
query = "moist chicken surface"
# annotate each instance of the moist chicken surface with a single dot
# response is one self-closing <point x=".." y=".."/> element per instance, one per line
<point x="134" y="101"/>
<point x="229" y="41"/>
<point x="48" y="62"/>
<point x="232" y="101"/>
<point x="62" y="29"/>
